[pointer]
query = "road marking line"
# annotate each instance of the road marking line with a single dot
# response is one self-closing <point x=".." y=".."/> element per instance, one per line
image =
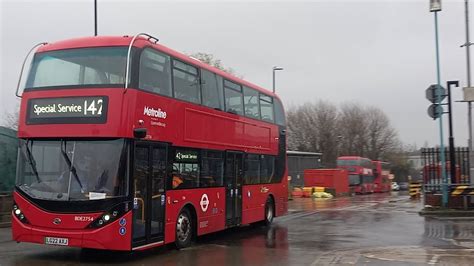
<point x="434" y="260"/>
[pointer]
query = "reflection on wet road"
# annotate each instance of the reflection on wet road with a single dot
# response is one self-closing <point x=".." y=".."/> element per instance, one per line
<point x="361" y="230"/>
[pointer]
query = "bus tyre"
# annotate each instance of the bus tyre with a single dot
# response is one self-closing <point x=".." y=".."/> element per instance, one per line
<point x="184" y="229"/>
<point x="269" y="212"/>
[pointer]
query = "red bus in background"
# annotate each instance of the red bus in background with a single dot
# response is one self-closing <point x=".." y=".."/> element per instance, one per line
<point x="126" y="144"/>
<point x="360" y="169"/>
<point x="381" y="177"/>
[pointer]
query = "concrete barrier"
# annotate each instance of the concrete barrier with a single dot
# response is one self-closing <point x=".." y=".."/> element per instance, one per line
<point x="414" y="189"/>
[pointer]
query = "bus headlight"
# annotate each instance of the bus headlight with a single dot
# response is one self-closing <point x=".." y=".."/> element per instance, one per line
<point x="19" y="214"/>
<point x="111" y="215"/>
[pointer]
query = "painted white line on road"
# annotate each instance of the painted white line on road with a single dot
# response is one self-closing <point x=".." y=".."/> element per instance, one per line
<point x="434" y="260"/>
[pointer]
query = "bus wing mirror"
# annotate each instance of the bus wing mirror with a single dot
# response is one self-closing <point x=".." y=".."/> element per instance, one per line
<point x="139" y="133"/>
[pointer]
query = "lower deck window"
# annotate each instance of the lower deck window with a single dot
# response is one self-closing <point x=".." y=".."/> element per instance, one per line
<point x="185" y="175"/>
<point x="252" y="169"/>
<point x="212" y="169"/>
<point x="191" y="168"/>
<point x="267" y="168"/>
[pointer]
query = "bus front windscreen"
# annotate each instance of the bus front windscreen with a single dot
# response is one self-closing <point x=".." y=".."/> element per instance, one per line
<point x="103" y="66"/>
<point x="70" y="170"/>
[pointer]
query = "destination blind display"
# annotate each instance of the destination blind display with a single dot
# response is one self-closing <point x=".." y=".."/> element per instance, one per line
<point x="70" y="110"/>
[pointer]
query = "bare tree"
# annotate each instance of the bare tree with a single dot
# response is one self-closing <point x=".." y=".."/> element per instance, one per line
<point x="215" y="62"/>
<point x="312" y="127"/>
<point x="351" y="130"/>
<point x="327" y="126"/>
<point x="382" y="136"/>
<point x="11" y="120"/>
<point x="298" y="132"/>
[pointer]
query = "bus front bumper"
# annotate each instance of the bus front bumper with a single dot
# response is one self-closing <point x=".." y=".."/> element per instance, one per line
<point x="111" y="237"/>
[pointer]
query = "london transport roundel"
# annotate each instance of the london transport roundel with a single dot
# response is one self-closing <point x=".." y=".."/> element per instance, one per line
<point x="204" y="202"/>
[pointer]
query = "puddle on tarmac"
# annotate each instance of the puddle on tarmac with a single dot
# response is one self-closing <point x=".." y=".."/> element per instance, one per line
<point x="400" y="254"/>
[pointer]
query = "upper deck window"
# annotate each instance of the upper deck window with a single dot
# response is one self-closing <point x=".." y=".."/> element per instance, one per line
<point x="211" y="85"/>
<point x="155" y="72"/>
<point x="233" y="98"/>
<point x="279" y="113"/>
<point x="266" y="108"/>
<point x="186" y="82"/>
<point x="252" y="109"/>
<point x="104" y="66"/>
<point x="349" y="162"/>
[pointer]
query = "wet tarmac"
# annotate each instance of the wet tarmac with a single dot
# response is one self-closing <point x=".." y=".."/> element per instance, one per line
<point x="362" y="230"/>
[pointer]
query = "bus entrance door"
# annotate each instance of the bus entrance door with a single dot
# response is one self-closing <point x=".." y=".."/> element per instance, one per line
<point x="149" y="193"/>
<point x="233" y="182"/>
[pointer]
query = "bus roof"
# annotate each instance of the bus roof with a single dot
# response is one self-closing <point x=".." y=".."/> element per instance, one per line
<point x="140" y="42"/>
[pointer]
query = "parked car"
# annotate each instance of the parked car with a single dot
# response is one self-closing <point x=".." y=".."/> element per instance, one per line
<point x="403" y="185"/>
<point x="395" y="186"/>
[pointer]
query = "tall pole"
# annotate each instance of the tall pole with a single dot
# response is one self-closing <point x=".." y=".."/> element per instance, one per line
<point x="442" y="155"/>
<point x="275" y="68"/>
<point x="469" y="104"/>
<point x="95" y="17"/>
<point x="273" y="80"/>
<point x="452" y="156"/>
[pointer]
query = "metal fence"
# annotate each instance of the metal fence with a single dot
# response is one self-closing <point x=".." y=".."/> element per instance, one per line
<point x="432" y="173"/>
<point x="8" y="154"/>
<point x="300" y="161"/>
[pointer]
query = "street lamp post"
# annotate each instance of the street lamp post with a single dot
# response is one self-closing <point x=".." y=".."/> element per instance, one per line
<point x="435" y="6"/>
<point x="275" y="68"/>
<point x="469" y="103"/>
<point x="95" y="17"/>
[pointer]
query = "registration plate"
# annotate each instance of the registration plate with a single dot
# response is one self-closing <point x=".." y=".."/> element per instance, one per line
<point x="56" y="241"/>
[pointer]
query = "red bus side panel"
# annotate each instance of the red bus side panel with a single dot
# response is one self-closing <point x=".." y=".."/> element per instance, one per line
<point x="231" y="131"/>
<point x="254" y="198"/>
<point x="208" y="203"/>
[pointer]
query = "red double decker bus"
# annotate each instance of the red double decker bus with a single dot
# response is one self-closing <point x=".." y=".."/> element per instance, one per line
<point x="381" y="177"/>
<point x="360" y="170"/>
<point x="128" y="145"/>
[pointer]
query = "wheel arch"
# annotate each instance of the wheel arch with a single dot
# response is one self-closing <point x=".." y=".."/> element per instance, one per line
<point x="272" y="197"/>
<point x="192" y="210"/>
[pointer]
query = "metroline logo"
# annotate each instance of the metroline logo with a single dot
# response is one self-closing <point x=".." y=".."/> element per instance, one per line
<point x="154" y="112"/>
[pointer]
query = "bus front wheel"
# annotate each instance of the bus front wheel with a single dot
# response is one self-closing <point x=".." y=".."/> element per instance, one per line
<point x="269" y="212"/>
<point x="184" y="229"/>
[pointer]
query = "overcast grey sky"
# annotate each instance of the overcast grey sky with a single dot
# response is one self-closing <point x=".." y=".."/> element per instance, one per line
<point x="380" y="52"/>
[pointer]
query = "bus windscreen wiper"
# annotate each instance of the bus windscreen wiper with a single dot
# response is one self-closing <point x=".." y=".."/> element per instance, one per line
<point x="72" y="169"/>
<point x="32" y="162"/>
